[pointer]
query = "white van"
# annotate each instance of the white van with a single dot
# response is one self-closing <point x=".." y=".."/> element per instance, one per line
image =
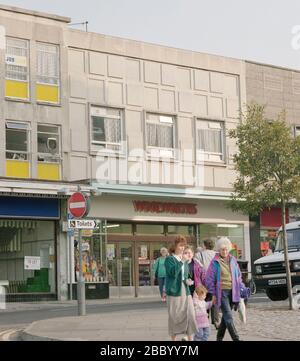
<point x="270" y="270"/>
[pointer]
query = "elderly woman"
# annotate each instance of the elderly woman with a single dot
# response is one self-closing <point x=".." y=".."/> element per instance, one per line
<point x="223" y="280"/>
<point x="179" y="300"/>
<point x="159" y="270"/>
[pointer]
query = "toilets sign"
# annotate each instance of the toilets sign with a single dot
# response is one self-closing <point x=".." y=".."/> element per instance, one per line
<point x="82" y="224"/>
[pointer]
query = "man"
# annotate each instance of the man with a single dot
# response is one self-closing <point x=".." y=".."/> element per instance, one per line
<point x="207" y="253"/>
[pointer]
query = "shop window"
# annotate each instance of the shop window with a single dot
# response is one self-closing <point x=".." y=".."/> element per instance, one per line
<point x="17" y="155"/>
<point x="210" y="140"/>
<point x="93" y="252"/>
<point x="17" y="68"/>
<point x="160" y="135"/>
<point x="49" y="157"/>
<point x="178" y="229"/>
<point x="27" y="256"/>
<point x="150" y="229"/>
<point x="47" y="86"/>
<point x="235" y="232"/>
<point x="118" y="228"/>
<point x="106" y="128"/>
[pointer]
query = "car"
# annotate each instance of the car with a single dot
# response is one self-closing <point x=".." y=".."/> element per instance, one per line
<point x="270" y="271"/>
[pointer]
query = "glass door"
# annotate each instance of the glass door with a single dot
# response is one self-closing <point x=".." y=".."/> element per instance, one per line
<point x="125" y="264"/>
<point x="147" y="253"/>
<point x="120" y="264"/>
<point x="144" y="264"/>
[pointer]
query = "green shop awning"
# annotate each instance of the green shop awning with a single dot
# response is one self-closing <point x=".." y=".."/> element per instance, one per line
<point x="15" y="223"/>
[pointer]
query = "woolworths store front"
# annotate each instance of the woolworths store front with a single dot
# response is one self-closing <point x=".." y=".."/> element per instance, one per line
<point x="136" y="226"/>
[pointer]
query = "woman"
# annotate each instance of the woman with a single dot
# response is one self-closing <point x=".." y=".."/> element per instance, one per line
<point x="196" y="271"/>
<point x="180" y="303"/>
<point x="159" y="270"/>
<point x="223" y="280"/>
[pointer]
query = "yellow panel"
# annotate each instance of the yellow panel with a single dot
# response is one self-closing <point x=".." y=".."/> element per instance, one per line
<point x="16" y="168"/>
<point x="48" y="171"/>
<point x="47" y="93"/>
<point x="16" y="89"/>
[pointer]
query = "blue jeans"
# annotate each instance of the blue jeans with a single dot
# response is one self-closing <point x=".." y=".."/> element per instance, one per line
<point x="161" y="284"/>
<point x="226" y="307"/>
<point x="202" y="334"/>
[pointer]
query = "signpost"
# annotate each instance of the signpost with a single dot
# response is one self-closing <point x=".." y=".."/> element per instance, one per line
<point x="82" y="224"/>
<point x="78" y="206"/>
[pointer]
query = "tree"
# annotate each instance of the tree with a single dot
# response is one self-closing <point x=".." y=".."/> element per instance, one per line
<point x="268" y="167"/>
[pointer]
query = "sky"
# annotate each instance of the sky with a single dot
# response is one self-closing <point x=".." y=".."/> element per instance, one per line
<point x="266" y="31"/>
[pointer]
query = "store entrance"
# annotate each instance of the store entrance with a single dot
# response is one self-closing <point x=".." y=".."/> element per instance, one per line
<point x="120" y="267"/>
<point x="146" y="254"/>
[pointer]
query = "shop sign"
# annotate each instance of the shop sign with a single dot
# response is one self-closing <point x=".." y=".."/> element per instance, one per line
<point x="144" y="261"/>
<point x="165" y="207"/>
<point x="32" y="263"/>
<point x="85" y="246"/>
<point x="110" y="251"/>
<point x="87" y="233"/>
<point x="82" y="224"/>
<point x="144" y="252"/>
<point x="16" y="60"/>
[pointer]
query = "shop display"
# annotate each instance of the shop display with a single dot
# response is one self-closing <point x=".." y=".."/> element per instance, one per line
<point x="91" y="266"/>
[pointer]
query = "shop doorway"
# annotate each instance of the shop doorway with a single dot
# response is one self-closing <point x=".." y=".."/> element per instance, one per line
<point x="120" y="268"/>
<point x="146" y="254"/>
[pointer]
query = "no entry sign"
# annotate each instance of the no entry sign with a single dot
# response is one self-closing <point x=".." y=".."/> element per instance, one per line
<point x="78" y="205"/>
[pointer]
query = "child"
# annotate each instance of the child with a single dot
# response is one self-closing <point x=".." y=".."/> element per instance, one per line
<point x="201" y="308"/>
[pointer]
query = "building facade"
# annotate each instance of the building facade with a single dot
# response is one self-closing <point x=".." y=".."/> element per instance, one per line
<point x="141" y="127"/>
<point x="34" y="154"/>
<point x="277" y="89"/>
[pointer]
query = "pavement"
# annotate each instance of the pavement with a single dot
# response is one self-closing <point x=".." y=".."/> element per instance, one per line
<point x="266" y="321"/>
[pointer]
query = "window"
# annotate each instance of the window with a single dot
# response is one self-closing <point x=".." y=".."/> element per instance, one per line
<point x="297" y="131"/>
<point x="160" y="133"/>
<point x="47" y="64"/>
<point x="48" y="143"/>
<point x="16" y="68"/>
<point x="179" y="229"/>
<point x="20" y="240"/>
<point x="210" y="140"/>
<point x="106" y="128"/>
<point x="16" y="141"/>
<point x="47" y="89"/>
<point x="235" y="232"/>
<point x="150" y="229"/>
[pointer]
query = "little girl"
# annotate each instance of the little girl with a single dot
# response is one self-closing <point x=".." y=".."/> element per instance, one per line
<point x="201" y="308"/>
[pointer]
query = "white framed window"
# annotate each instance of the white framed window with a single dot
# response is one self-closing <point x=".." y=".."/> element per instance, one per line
<point x="210" y="140"/>
<point x="160" y="134"/>
<point x="17" y="135"/>
<point x="106" y="128"/>
<point x="47" y="63"/>
<point x="16" y="59"/>
<point x="297" y="131"/>
<point x="48" y="143"/>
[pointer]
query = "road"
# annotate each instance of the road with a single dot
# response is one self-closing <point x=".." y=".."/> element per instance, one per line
<point x="11" y="322"/>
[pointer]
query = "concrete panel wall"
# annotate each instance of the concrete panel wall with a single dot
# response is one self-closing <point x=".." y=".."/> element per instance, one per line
<point x="144" y="83"/>
<point x="276" y="88"/>
<point x="35" y="29"/>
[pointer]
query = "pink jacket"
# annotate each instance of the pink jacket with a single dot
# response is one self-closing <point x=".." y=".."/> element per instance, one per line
<point x="199" y="273"/>
<point x="200" y="311"/>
